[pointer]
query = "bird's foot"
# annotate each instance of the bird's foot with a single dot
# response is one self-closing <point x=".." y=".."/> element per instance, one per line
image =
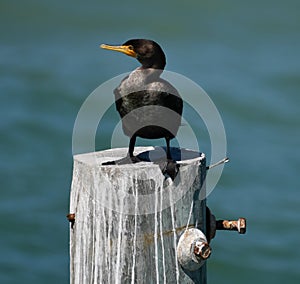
<point x="135" y="159"/>
<point x="109" y="163"/>
<point x="124" y="161"/>
<point x="172" y="168"/>
<point x="169" y="167"/>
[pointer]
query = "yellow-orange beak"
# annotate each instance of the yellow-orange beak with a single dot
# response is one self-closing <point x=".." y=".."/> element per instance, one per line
<point x="126" y="49"/>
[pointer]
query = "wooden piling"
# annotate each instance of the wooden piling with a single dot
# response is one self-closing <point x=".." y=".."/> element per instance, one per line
<point x="129" y="218"/>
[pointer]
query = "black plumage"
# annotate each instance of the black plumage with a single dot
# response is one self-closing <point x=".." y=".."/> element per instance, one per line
<point x="150" y="107"/>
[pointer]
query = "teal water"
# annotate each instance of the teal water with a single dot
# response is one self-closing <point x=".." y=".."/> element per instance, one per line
<point x="244" y="54"/>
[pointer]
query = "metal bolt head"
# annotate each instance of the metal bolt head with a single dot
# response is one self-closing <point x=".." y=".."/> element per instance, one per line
<point x="241" y="224"/>
<point x="202" y="250"/>
<point x="71" y="218"/>
<point x="192" y="249"/>
<point x="238" y="225"/>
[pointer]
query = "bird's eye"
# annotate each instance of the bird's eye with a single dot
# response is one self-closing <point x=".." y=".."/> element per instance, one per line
<point x="130" y="47"/>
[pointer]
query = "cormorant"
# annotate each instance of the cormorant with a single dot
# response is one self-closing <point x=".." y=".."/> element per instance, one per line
<point x="149" y="106"/>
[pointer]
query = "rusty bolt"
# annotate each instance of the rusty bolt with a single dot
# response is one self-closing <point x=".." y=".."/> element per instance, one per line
<point x="71" y="218"/>
<point x="202" y="250"/>
<point x="238" y="225"/>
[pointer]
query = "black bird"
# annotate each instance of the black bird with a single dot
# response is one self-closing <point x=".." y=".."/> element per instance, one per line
<point x="149" y="106"/>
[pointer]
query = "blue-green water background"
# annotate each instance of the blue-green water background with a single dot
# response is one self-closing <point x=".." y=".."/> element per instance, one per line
<point x="245" y="54"/>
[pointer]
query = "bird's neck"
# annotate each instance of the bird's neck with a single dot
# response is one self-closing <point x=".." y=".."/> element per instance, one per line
<point x="159" y="65"/>
<point x="155" y="62"/>
<point x="138" y="80"/>
<point x="149" y="74"/>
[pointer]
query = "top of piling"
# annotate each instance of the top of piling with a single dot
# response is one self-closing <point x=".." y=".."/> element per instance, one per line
<point x="147" y="154"/>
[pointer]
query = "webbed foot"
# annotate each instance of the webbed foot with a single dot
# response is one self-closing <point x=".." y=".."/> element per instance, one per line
<point x="169" y="167"/>
<point x="124" y="161"/>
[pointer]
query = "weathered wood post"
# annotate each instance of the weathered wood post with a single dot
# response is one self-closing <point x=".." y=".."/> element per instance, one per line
<point x="129" y="219"/>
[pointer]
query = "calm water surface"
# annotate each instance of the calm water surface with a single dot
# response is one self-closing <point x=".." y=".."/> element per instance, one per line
<point x="245" y="55"/>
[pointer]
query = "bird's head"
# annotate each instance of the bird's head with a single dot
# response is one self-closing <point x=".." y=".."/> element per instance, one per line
<point x="147" y="52"/>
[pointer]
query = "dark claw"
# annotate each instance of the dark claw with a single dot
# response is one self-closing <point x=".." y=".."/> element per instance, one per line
<point x="135" y="159"/>
<point x="123" y="161"/>
<point x="169" y="167"/>
<point x="109" y="163"/>
<point x="172" y="169"/>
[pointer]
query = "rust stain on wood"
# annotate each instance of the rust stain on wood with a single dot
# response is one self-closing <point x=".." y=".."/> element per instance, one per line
<point x="149" y="238"/>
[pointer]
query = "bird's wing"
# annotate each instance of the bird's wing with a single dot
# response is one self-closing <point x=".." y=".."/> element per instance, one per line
<point x="118" y="95"/>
